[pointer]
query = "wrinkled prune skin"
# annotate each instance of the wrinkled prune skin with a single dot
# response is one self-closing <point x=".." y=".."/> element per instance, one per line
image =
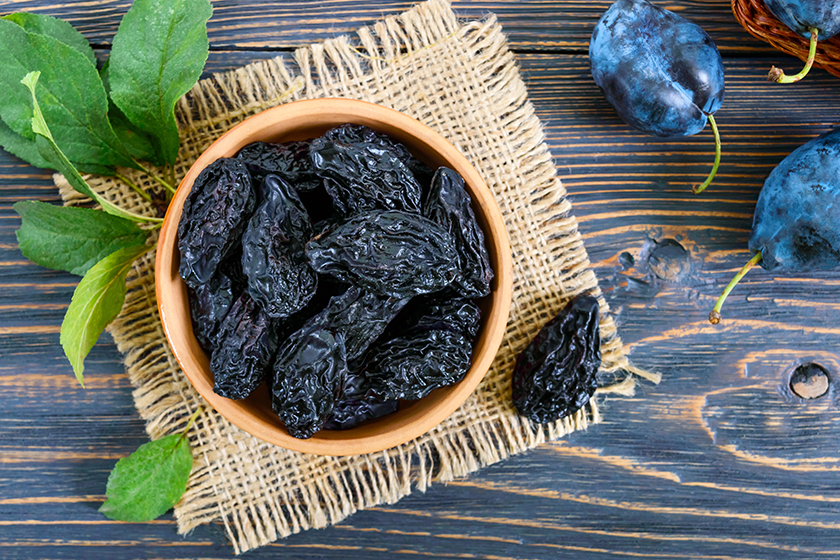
<point x="289" y="160"/>
<point x="209" y="305"/>
<point x="308" y="371"/>
<point x="447" y="203"/>
<point x="215" y="213"/>
<point x="364" y="171"/>
<point x="361" y="317"/>
<point x="279" y="276"/>
<point x="798" y="209"/>
<point x="413" y="365"/>
<point x="349" y="414"/>
<point x="387" y="252"/>
<point x="244" y="345"/>
<point x="434" y="312"/>
<point x="555" y="375"/>
<point x="355" y="385"/>
<point x="328" y="287"/>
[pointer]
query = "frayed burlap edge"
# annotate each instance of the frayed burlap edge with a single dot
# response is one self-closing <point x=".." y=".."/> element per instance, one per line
<point x="462" y="80"/>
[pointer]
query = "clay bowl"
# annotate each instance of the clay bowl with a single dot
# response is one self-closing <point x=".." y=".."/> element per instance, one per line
<point x="298" y="121"/>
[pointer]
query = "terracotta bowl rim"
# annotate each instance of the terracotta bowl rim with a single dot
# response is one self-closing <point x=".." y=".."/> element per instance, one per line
<point x="364" y="439"/>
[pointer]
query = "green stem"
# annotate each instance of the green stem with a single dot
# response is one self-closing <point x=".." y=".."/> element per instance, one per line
<point x="172" y="180"/>
<point x="148" y="172"/>
<point x="191" y="421"/>
<point x="778" y="75"/>
<point x="714" y="316"/>
<point x="697" y="189"/>
<point x="134" y="187"/>
<point x="126" y="213"/>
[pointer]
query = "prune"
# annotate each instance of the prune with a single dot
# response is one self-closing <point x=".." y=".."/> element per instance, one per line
<point x="279" y="276"/>
<point x="813" y="19"/>
<point x="361" y="317"/>
<point x="289" y="160"/>
<point x="349" y="414"/>
<point x="413" y="365"/>
<point x="308" y="372"/>
<point x="796" y="217"/>
<point x="422" y="172"/>
<point x="555" y="375"/>
<point x="448" y="204"/>
<point x="364" y="171"/>
<point x="209" y="305"/>
<point x="244" y="346"/>
<point x="387" y="252"/>
<point x="434" y="312"/>
<point x="215" y="213"/>
<point x="355" y="385"/>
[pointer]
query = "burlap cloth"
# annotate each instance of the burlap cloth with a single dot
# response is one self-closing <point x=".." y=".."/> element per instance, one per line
<point x="460" y="79"/>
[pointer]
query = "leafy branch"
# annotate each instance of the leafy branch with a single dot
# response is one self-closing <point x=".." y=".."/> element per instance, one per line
<point x="58" y="111"/>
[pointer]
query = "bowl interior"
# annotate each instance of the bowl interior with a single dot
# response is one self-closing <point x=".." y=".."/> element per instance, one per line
<point x="300" y="121"/>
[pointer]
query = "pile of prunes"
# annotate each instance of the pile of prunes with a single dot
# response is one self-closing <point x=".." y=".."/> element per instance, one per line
<point x="341" y="270"/>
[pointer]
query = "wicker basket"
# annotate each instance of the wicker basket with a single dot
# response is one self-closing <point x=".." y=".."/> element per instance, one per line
<point x="762" y="24"/>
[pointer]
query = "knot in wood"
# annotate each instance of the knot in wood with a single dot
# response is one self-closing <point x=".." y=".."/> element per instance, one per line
<point x="809" y="381"/>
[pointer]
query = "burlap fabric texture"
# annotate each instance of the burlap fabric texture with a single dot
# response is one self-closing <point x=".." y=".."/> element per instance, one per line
<point x="460" y="79"/>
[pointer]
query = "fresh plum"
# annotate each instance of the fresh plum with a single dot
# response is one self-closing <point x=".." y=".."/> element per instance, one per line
<point x="661" y="72"/>
<point x="795" y="222"/>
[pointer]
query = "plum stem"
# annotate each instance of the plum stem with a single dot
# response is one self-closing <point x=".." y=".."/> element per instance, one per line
<point x="697" y="189"/>
<point x="778" y="75"/>
<point x="714" y="316"/>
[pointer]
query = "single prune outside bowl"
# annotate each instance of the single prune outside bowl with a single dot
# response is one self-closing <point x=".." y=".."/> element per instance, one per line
<point x="301" y="120"/>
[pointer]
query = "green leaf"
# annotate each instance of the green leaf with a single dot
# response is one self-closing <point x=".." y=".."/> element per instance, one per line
<point x="72" y="239"/>
<point x="138" y="144"/>
<point x="55" y="28"/>
<point x="144" y="485"/>
<point x="158" y="55"/>
<point x="23" y="148"/>
<point x="58" y="161"/>
<point x="98" y="299"/>
<point x="72" y="98"/>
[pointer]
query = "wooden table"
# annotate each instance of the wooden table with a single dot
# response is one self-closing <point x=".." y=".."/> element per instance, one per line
<point x="718" y="461"/>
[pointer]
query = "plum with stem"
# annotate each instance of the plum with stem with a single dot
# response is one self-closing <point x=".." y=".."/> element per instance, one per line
<point x="661" y="72"/>
<point x="795" y="222"/>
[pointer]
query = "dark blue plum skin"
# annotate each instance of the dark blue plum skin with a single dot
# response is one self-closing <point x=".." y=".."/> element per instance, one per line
<point x="797" y="219"/>
<point x="661" y="73"/>
<point x="802" y="15"/>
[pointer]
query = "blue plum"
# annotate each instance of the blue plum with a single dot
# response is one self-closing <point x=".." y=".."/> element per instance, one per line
<point x="661" y="72"/>
<point x="795" y="227"/>
<point x="813" y="19"/>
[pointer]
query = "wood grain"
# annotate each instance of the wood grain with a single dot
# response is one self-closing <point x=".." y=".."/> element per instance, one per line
<point x="720" y="461"/>
<point x="532" y="25"/>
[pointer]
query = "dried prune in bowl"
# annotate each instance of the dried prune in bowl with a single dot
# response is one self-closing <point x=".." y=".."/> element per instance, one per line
<point x="279" y="276"/>
<point x="214" y="215"/>
<point x="307" y="375"/>
<point x="289" y="160"/>
<point x="447" y="203"/>
<point x="243" y="347"/>
<point x="387" y="252"/>
<point x="364" y="171"/>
